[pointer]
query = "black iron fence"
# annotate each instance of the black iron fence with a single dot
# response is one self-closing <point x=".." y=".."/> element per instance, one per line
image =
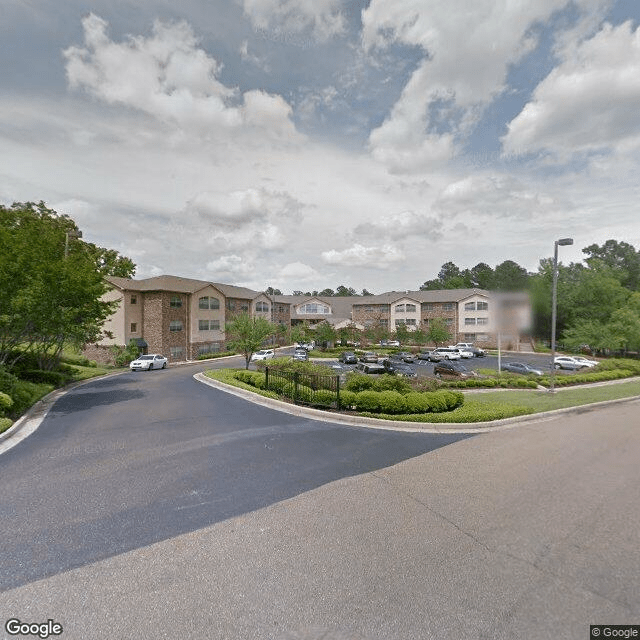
<point x="305" y="388"/>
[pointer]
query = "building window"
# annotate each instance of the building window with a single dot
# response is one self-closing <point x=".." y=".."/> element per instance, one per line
<point x="314" y="308"/>
<point x="176" y="352"/>
<point x="411" y="322"/>
<point x="176" y="302"/>
<point x="175" y="325"/>
<point x="231" y="305"/>
<point x="469" y="337"/>
<point x="482" y="337"/>
<point x="425" y="322"/>
<point x="399" y="308"/>
<point x="468" y="321"/>
<point x="448" y="306"/>
<point x="428" y="306"/>
<point x="469" y="306"/>
<point x="208" y="325"/>
<point x="203" y="349"/>
<point x="383" y="322"/>
<point x="483" y="306"/>
<point x="134" y="299"/>
<point x="262" y="307"/>
<point x="409" y="307"/>
<point x="483" y="320"/>
<point x="244" y="307"/>
<point x="134" y="327"/>
<point x="282" y="309"/>
<point x="208" y="303"/>
<point x="448" y="321"/>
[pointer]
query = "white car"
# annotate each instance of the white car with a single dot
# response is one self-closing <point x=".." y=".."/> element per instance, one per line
<point x="448" y="353"/>
<point x="569" y="362"/>
<point x="585" y="361"/>
<point x="148" y="362"/>
<point x="263" y="354"/>
<point x="464" y="352"/>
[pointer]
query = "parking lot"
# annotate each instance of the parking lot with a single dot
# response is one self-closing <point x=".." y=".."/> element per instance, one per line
<point x="424" y="368"/>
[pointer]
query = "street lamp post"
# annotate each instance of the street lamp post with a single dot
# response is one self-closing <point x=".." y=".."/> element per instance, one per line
<point x="562" y="243"/>
<point x="74" y="233"/>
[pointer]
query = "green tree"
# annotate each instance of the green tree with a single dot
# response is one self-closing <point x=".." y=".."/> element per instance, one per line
<point x="345" y="291"/>
<point x="246" y="334"/>
<point x="325" y="334"/>
<point x="619" y="256"/>
<point x="325" y="292"/>
<point x="510" y="276"/>
<point x="482" y="276"/>
<point x="273" y="292"/>
<point x="402" y="333"/>
<point x="49" y="299"/>
<point x="438" y="331"/>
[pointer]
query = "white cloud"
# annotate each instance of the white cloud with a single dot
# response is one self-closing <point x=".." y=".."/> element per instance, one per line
<point x="498" y="197"/>
<point x="299" y="272"/>
<point x="168" y="77"/>
<point x="322" y="18"/>
<point x="231" y="268"/>
<point x="468" y="49"/>
<point x="399" y="226"/>
<point x="377" y="257"/>
<point x="589" y="102"/>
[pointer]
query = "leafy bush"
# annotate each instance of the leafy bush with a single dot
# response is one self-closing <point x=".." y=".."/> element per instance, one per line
<point x="215" y="354"/>
<point x="417" y="402"/>
<point x="359" y="382"/>
<point x="324" y="397"/>
<point x="368" y="401"/>
<point x="5" y="423"/>
<point x="347" y="398"/>
<point x="392" y="402"/>
<point x="23" y="393"/>
<point x="5" y="402"/>
<point x="56" y="378"/>
<point x="387" y="382"/>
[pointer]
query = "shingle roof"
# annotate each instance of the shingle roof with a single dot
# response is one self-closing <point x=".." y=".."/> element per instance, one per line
<point x="439" y="295"/>
<point x="181" y="285"/>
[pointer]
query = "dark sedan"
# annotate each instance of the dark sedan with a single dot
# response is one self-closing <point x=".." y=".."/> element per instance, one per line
<point x="365" y="367"/>
<point x="453" y="370"/>
<point x="520" y="367"/>
<point x="398" y="368"/>
<point x="348" y="357"/>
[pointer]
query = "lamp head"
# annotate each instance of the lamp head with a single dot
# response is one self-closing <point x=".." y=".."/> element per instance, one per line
<point x="564" y="241"/>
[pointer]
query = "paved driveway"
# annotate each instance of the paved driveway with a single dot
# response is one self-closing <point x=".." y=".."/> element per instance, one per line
<point x="129" y="460"/>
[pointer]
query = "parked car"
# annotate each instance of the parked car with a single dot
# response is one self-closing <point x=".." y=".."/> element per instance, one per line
<point x="464" y="353"/>
<point x="348" y="357"/>
<point x="398" y="368"/>
<point x="405" y="356"/>
<point x="586" y="361"/>
<point x="569" y="363"/>
<point x="393" y="343"/>
<point x="369" y="356"/>
<point x="263" y="354"/>
<point x="309" y="346"/>
<point x="301" y="355"/>
<point x="431" y="356"/>
<point x="520" y="367"/>
<point x="148" y="362"/>
<point x="477" y="351"/>
<point x="453" y="370"/>
<point x="447" y="353"/>
<point x="369" y="367"/>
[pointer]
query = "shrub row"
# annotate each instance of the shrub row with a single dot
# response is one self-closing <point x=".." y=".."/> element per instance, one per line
<point x="362" y="382"/>
<point x="22" y="393"/>
<point x="492" y="383"/>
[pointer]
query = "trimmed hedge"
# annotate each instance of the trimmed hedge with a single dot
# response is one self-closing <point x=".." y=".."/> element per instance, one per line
<point x="5" y="423"/>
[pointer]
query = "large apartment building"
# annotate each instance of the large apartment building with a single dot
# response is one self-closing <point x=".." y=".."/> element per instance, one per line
<point x="184" y="318"/>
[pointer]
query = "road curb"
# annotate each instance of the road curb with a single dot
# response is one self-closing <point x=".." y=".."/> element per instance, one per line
<point x="397" y="425"/>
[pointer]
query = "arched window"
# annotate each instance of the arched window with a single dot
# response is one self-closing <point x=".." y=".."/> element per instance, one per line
<point x="262" y="307"/>
<point x="207" y="302"/>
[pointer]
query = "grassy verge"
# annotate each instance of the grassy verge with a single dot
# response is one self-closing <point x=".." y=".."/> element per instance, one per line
<point x="484" y="406"/>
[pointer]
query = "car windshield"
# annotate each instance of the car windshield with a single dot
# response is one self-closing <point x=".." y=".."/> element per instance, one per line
<point x="145" y="358"/>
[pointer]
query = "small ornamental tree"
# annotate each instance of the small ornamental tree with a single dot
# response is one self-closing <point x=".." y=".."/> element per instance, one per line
<point x="246" y="334"/>
<point x="438" y="332"/>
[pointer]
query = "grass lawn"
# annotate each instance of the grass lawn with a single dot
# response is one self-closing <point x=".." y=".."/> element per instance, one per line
<point x="568" y="397"/>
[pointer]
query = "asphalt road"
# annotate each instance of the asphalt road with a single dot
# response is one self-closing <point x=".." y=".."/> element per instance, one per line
<point x="151" y="506"/>
<point x="129" y="460"/>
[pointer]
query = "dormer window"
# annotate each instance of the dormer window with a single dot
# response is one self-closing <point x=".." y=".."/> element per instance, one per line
<point x="314" y="308"/>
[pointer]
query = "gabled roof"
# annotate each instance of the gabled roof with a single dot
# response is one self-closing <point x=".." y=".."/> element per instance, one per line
<point x="439" y="295"/>
<point x="181" y="285"/>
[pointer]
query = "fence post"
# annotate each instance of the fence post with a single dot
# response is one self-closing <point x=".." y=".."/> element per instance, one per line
<point x="337" y="392"/>
<point x="266" y="377"/>
<point x="295" y="387"/>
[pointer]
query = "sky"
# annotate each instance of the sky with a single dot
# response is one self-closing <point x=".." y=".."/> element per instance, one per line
<point x="306" y="144"/>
